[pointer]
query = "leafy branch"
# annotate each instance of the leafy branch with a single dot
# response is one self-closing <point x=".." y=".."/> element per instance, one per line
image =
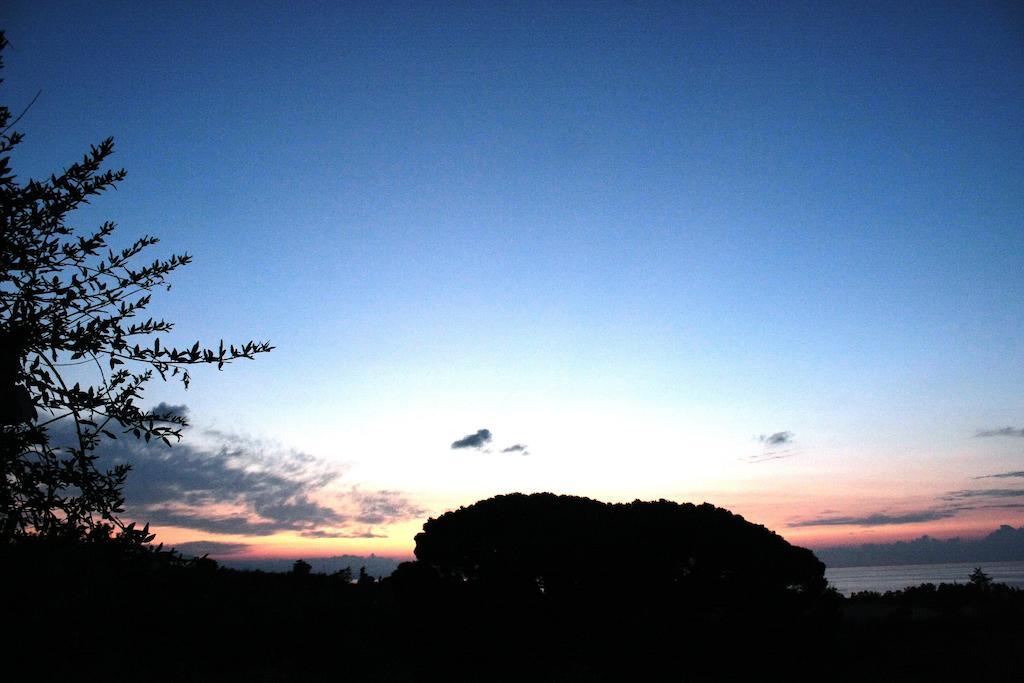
<point x="69" y="302"/>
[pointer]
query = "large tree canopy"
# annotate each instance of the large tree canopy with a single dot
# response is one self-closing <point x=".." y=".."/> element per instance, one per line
<point x="567" y="544"/>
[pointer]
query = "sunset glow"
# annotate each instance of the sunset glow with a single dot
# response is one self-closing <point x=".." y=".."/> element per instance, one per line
<point x="775" y="263"/>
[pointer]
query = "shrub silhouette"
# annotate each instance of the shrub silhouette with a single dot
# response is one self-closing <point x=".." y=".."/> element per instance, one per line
<point x="546" y="544"/>
<point x="980" y="579"/>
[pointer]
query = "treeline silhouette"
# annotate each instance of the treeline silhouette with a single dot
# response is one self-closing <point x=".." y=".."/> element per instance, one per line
<point x="511" y="588"/>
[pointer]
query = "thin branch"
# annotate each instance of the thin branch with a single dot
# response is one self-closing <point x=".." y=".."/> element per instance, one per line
<point x="23" y="112"/>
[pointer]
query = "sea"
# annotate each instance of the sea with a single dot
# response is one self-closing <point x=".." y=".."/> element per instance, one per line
<point x="848" y="580"/>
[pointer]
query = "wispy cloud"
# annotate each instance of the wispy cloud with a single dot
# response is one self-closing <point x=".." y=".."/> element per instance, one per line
<point x="946" y="506"/>
<point x="318" y="533"/>
<point x="771" y="455"/>
<point x="224" y="483"/>
<point x="215" y="522"/>
<point x="217" y="548"/>
<point x="381" y="507"/>
<point x="481" y="438"/>
<point x="985" y="493"/>
<point x="1002" y="431"/>
<point x="516" y="448"/>
<point x="880" y="518"/>
<point x="1003" y="475"/>
<point x="241" y="487"/>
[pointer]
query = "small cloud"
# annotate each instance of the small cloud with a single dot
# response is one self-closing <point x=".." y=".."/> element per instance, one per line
<point x="880" y="518"/>
<point x="776" y="439"/>
<point x="1002" y="431"/>
<point x="516" y="448"/>
<point x="478" y="440"/>
<point x="215" y="548"/>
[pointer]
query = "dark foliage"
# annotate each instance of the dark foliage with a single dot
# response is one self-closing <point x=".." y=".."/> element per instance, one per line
<point x="154" y="616"/>
<point x="75" y="345"/>
<point x="565" y="545"/>
<point x="587" y="590"/>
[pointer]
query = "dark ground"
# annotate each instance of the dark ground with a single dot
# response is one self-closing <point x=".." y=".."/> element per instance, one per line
<point x="83" y="615"/>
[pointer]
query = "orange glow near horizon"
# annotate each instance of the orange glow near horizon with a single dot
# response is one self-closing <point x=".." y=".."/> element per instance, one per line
<point x="397" y="540"/>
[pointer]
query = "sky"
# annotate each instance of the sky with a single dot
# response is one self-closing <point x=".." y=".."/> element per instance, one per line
<point x="764" y="255"/>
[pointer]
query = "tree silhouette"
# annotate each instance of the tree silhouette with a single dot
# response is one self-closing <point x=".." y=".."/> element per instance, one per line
<point x="560" y="545"/>
<point x="364" y="578"/>
<point x="980" y="579"/>
<point x="75" y="346"/>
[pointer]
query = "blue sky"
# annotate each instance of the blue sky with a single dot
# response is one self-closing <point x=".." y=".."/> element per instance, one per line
<point x="633" y="237"/>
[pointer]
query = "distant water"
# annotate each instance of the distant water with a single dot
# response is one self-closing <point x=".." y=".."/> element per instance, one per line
<point x="849" y="580"/>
